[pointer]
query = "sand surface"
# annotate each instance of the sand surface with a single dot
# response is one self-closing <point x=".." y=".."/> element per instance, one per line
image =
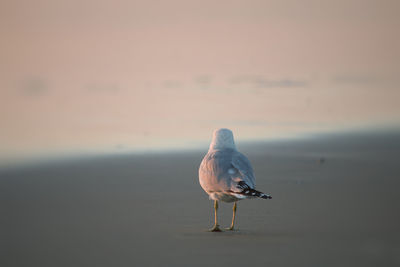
<point x="149" y="210"/>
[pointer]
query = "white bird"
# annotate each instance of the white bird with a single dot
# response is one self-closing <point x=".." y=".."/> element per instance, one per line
<point x="226" y="174"/>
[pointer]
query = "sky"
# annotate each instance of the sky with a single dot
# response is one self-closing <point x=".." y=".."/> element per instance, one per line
<point x="96" y="76"/>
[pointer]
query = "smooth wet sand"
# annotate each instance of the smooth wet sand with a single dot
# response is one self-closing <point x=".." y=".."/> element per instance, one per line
<point x="150" y="210"/>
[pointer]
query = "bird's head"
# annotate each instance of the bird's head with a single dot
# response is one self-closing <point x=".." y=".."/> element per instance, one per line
<point x="222" y="138"/>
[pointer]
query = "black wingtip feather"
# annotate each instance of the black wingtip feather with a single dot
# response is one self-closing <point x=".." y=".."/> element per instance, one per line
<point x="247" y="191"/>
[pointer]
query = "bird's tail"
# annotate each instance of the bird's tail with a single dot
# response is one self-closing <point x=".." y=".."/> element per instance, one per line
<point x="254" y="193"/>
<point x="250" y="192"/>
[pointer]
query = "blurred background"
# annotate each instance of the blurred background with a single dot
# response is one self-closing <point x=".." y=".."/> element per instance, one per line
<point x="120" y="76"/>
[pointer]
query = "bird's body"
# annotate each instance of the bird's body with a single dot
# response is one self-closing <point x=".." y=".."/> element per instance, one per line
<point x="226" y="174"/>
<point x="220" y="178"/>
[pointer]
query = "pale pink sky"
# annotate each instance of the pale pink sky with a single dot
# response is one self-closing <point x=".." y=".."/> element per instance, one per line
<point x="112" y="75"/>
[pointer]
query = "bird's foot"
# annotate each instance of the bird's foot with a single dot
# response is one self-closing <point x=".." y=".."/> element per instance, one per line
<point x="215" y="229"/>
<point x="231" y="228"/>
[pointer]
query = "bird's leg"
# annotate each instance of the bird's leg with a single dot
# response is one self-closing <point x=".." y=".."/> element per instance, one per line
<point x="216" y="225"/>
<point x="233" y="217"/>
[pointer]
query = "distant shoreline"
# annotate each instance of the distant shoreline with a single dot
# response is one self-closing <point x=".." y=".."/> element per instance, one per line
<point x="356" y="138"/>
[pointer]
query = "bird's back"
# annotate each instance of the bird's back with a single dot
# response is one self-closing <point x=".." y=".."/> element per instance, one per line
<point x="221" y="170"/>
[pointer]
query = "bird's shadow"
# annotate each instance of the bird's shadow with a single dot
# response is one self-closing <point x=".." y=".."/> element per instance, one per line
<point x="240" y="233"/>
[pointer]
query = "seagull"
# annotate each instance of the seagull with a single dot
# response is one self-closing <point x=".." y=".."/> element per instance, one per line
<point x="226" y="175"/>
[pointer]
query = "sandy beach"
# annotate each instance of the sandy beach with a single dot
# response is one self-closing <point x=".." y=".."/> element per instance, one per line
<point x="149" y="210"/>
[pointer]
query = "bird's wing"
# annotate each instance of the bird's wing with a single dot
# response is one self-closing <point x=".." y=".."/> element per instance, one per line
<point x="243" y="166"/>
<point x="213" y="171"/>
